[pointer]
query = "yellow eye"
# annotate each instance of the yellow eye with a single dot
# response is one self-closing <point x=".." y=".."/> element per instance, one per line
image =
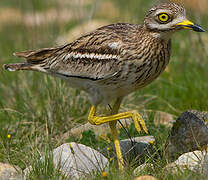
<point x="163" y="17"/>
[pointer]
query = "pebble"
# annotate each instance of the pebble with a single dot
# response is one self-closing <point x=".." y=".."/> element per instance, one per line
<point x="146" y="177"/>
<point x="9" y="172"/>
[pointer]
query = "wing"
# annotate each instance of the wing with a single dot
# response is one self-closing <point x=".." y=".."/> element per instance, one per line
<point x="94" y="56"/>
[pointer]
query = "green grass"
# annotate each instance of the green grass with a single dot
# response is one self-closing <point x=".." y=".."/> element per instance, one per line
<point x="37" y="109"/>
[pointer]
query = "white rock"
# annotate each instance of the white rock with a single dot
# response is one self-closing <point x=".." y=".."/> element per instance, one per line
<point x="196" y="161"/>
<point x="143" y="139"/>
<point x="77" y="160"/>
<point x="10" y="172"/>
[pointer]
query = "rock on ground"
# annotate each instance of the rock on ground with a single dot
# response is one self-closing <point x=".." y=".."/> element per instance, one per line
<point x="77" y="160"/>
<point x="189" y="133"/>
<point x="196" y="161"/>
<point x="134" y="149"/>
<point x="9" y="172"/>
<point x="146" y="177"/>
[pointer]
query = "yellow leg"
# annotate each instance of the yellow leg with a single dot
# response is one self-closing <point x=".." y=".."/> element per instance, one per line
<point x="112" y="119"/>
<point x="138" y="121"/>
<point x="117" y="144"/>
<point x="112" y="125"/>
<point x="115" y="135"/>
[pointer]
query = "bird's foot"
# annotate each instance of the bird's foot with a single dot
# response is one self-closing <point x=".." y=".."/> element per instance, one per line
<point x="138" y="122"/>
<point x="136" y="117"/>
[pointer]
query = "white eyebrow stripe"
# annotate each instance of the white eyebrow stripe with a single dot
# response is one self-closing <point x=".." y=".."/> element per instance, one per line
<point x="94" y="56"/>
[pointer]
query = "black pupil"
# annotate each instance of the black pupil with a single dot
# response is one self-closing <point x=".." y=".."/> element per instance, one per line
<point x="163" y="17"/>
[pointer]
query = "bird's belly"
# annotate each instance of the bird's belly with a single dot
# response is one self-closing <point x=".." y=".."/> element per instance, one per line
<point x="138" y="77"/>
<point x="133" y="80"/>
<point x="98" y="94"/>
<point x="119" y="87"/>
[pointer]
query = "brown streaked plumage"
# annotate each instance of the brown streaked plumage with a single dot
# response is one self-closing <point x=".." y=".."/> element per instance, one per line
<point x="114" y="60"/>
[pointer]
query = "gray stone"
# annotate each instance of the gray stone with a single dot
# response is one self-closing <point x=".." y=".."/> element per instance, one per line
<point x="9" y="172"/>
<point x="134" y="149"/>
<point x="189" y="133"/>
<point x="196" y="161"/>
<point x="77" y="160"/>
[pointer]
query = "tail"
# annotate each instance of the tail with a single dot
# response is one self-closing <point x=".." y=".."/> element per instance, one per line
<point x="35" y="60"/>
<point x="18" y="66"/>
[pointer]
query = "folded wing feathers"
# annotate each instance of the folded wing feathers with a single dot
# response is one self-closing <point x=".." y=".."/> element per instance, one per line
<point x="35" y="57"/>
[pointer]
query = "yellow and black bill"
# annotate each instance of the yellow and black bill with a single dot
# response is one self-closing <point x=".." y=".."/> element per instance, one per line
<point x="186" y="24"/>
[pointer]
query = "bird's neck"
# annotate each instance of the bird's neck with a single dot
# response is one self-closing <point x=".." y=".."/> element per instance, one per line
<point x="164" y="35"/>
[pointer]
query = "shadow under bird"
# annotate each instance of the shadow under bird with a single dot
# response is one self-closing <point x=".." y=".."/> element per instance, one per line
<point x="113" y="61"/>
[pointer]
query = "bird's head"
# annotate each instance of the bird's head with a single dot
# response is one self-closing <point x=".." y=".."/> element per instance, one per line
<point x="167" y="18"/>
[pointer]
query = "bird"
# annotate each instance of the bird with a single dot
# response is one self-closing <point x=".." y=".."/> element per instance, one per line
<point x="113" y="61"/>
